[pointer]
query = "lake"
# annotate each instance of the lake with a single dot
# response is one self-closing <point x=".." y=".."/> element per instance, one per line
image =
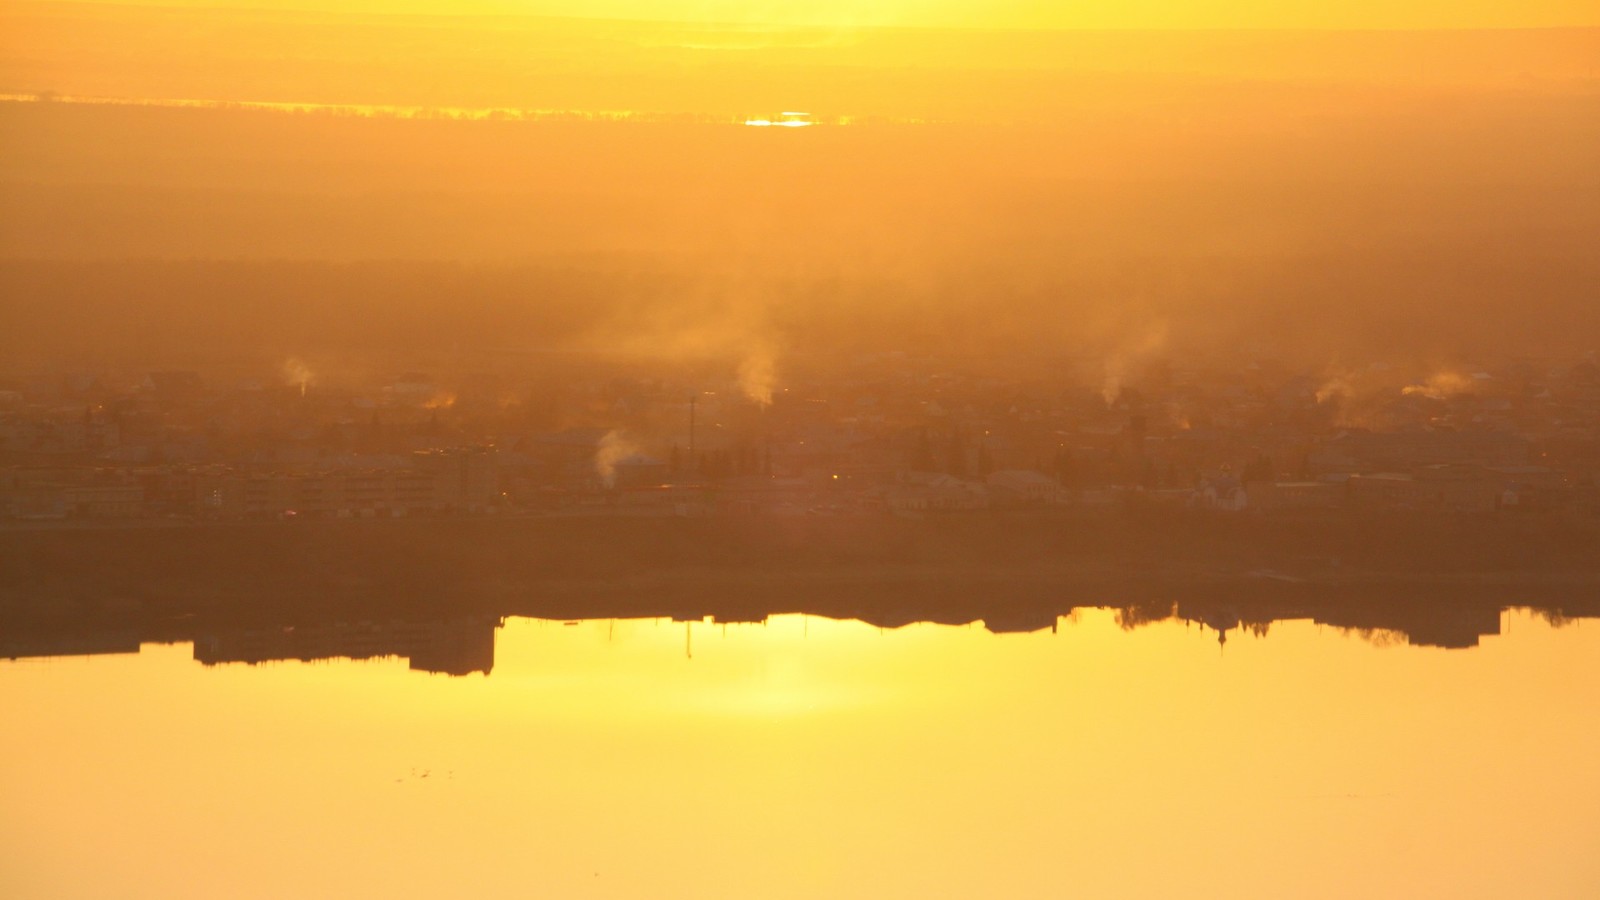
<point x="803" y="756"/>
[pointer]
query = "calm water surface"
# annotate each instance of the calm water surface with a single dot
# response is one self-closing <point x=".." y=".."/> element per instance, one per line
<point x="806" y="757"/>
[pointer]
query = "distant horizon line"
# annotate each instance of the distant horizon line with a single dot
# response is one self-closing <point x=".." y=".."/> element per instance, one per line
<point x="424" y="112"/>
<point x="797" y="26"/>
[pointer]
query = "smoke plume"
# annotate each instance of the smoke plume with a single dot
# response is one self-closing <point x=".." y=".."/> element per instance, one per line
<point x="757" y="374"/>
<point x="297" y="373"/>
<point x="1440" y="386"/>
<point x="612" y="449"/>
<point x="1134" y="352"/>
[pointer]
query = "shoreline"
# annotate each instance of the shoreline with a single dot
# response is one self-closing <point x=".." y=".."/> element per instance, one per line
<point x="960" y="565"/>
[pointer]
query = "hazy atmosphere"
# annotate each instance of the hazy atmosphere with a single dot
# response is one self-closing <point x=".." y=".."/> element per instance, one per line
<point x="918" y="448"/>
<point x="1345" y="196"/>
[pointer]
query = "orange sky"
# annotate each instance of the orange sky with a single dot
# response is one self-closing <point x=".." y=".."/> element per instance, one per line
<point x="1001" y="13"/>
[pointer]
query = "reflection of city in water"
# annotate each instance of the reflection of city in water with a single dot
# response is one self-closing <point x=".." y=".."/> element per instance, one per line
<point x="906" y="750"/>
<point x="465" y="645"/>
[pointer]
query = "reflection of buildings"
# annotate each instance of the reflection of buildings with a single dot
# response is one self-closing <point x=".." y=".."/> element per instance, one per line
<point x="461" y="645"/>
<point x="1451" y="626"/>
<point x="89" y="642"/>
<point x="1020" y="621"/>
<point x="458" y="647"/>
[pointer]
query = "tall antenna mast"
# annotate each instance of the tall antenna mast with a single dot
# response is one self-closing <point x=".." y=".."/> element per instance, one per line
<point x="692" y="398"/>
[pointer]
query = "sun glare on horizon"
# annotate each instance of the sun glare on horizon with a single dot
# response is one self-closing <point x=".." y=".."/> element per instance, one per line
<point x="784" y="120"/>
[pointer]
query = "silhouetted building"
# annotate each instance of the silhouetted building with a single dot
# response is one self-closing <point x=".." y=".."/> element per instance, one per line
<point x="1367" y="451"/>
<point x="454" y="648"/>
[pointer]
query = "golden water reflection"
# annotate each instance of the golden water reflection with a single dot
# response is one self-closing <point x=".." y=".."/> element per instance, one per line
<point x="806" y="757"/>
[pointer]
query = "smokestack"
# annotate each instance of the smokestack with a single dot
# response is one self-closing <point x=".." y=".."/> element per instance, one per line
<point x="691" y="428"/>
